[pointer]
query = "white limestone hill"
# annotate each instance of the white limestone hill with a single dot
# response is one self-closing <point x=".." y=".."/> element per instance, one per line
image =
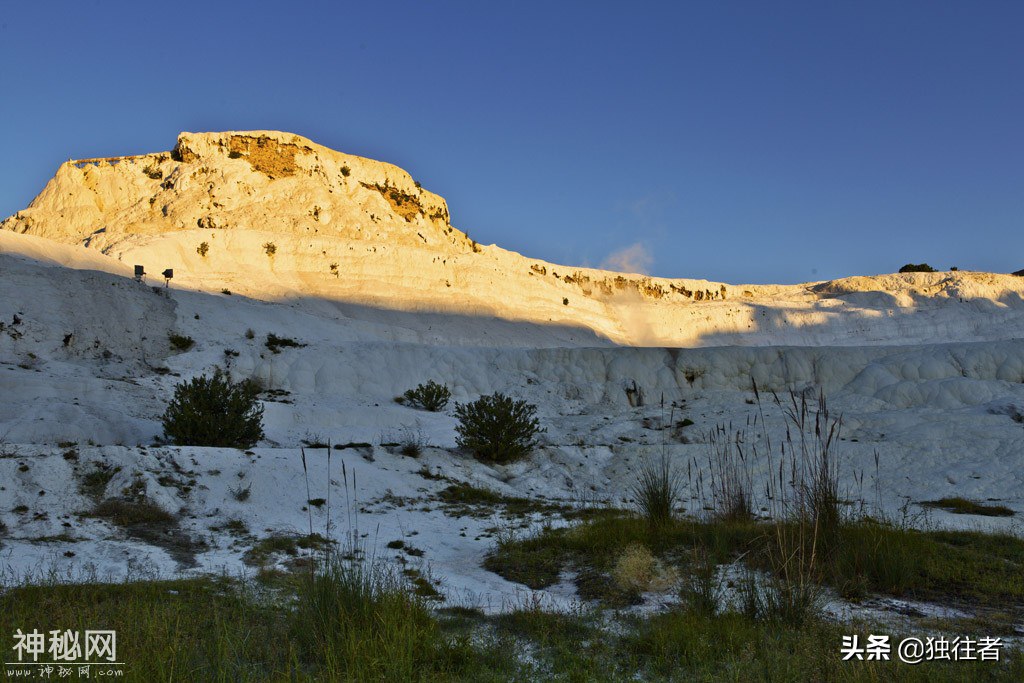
<point x="275" y="217"/>
<point x="926" y="368"/>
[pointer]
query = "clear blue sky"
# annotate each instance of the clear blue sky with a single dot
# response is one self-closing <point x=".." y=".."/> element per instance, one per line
<point x="739" y="141"/>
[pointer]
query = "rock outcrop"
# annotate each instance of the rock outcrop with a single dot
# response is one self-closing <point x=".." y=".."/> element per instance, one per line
<point x="275" y="216"/>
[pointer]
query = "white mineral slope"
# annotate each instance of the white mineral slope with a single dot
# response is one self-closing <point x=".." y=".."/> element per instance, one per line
<point x="927" y="369"/>
<point x="360" y="239"/>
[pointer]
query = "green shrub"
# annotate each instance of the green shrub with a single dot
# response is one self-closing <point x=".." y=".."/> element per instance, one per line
<point x="181" y="342"/>
<point x="270" y="248"/>
<point x="430" y="396"/>
<point x="917" y="268"/>
<point x="497" y="427"/>
<point x="275" y="343"/>
<point x="203" y="248"/>
<point x="213" y="411"/>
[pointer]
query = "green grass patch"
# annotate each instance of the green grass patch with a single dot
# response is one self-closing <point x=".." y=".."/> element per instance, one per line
<point x="963" y="506"/>
<point x="127" y="513"/>
<point x="145" y="521"/>
<point x="94" y="483"/>
<point x="283" y="544"/>
<point x="352" y="622"/>
<point x="343" y="625"/>
<point x="953" y="567"/>
<point x="465" y="500"/>
<point x="687" y="646"/>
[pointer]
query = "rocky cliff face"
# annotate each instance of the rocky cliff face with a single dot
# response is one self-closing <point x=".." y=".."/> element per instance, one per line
<point x="263" y="180"/>
<point x="277" y="217"/>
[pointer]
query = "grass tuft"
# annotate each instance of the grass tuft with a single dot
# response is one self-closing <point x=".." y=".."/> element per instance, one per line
<point x="657" y="491"/>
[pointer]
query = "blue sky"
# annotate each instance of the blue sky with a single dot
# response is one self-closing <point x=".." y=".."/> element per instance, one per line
<point x="737" y="141"/>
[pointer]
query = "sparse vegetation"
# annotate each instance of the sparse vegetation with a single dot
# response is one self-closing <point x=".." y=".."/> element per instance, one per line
<point x="276" y="343"/>
<point x="94" y="483"/>
<point x="731" y="477"/>
<point x="315" y="441"/>
<point x="962" y="567"/>
<point x="203" y="248"/>
<point x="282" y="544"/>
<point x="963" y="506"/>
<point x="465" y="500"/>
<point x="239" y="493"/>
<point x="131" y="512"/>
<point x="213" y="411"/>
<point x="356" y="624"/>
<point x="917" y="268"/>
<point x="657" y="491"/>
<point x="181" y="342"/>
<point x="430" y="396"/>
<point x="412" y="442"/>
<point x="270" y="248"/>
<point x="497" y="428"/>
<point x="352" y="444"/>
<point x="701" y="588"/>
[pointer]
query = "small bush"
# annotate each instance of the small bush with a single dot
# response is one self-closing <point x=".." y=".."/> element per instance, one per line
<point x="270" y="248"/>
<point x="637" y="571"/>
<point x="346" y="171"/>
<point x="430" y="396"/>
<point x="212" y="411"/>
<point x="634" y="570"/>
<point x="240" y="494"/>
<point x="497" y="427"/>
<point x="203" y="248"/>
<point x="412" y="442"/>
<point x="275" y="343"/>
<point x="181" y="342"/>
<point x="917" y="268"/>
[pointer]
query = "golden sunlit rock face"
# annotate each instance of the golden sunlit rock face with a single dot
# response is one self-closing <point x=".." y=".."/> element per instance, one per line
<point x="304" y="221"/>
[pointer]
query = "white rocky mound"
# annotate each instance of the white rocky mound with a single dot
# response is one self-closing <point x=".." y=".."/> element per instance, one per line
<point x="269" y="233"/>
<point x="276" y="217"/>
